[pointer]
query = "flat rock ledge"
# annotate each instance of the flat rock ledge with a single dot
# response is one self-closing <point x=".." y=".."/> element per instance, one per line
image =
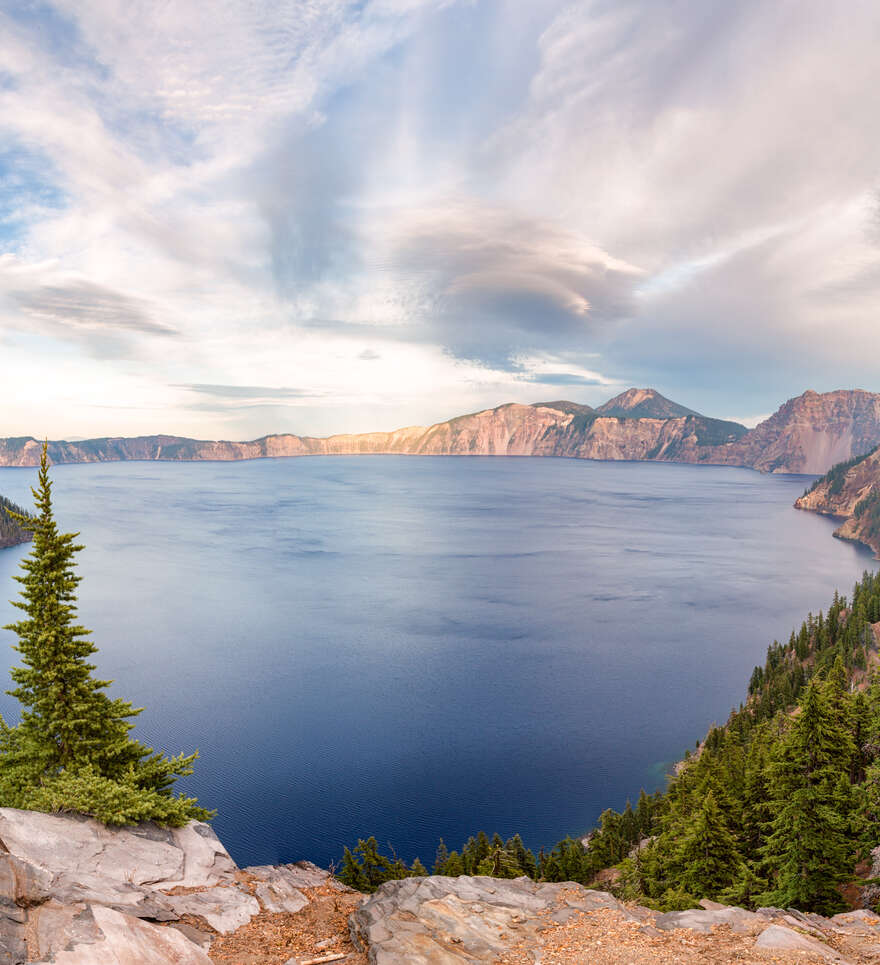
<point x="73" y="892"/>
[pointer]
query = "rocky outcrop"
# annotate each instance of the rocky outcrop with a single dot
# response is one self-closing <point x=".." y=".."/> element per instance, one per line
<point x="97" y="935"/>
<point x="452" y="921"/>
<point x="464" y="919"/>
<point x="73" y="892"/>
<point x="851" y="492"/>
<point x="809" y="434"/>
<point x="806" y="435"/>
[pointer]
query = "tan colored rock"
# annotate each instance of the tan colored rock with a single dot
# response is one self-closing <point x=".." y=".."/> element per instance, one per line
<point x="299" y="874"/>
<point x="108" y="937"/>
<point x="468" y="919"/>
<point x="224" y="909"/>
<point x="840" y="497"/>
<point x="810" y="434"/>
<point x="83" y="849"/>
<point x="781" y="938"/>
<point x="704" y="920"/>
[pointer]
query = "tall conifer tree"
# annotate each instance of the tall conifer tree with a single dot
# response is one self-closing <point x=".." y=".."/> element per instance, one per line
<point x="708" y="852"/>
<point x="71" y="749"/>
<point x="808" y="847"/>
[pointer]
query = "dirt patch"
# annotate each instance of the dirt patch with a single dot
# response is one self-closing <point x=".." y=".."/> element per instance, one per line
<point x="320" y="929"/>
<point x="605" y="938"/>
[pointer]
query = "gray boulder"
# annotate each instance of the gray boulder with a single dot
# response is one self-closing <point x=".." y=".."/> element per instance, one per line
<point x="189" y="857"/>
<point x="447" y="921"/>
<point x="56" y="869"/>
<point x="224" y="909"/>
<point x="95" y="889"/>
<point x="301" y="874"/>
<point x="54" y="926"/>
<point x="704" y="920"/>
<point x="277" y="890"/>
<point x="858" y="922"/>
<point x="101" y="936"/>
<point x="781" y="938"/>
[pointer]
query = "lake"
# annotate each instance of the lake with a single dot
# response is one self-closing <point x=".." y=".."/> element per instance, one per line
<point x="422" y="647"/>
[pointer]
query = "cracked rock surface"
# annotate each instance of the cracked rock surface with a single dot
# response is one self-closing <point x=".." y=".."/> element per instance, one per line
<point x="468" y="919"/>
<point x="452" y="921"/>
<point x="73" y="892"/>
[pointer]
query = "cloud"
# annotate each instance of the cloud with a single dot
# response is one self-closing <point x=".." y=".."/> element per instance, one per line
<point x="99" y="320"/>
<point x="483" y="281"/>
<point x="612" y="193"/>
<point x="556" y="370"/>
<point x="247" y="392"/>
<point x="86" y="305"/>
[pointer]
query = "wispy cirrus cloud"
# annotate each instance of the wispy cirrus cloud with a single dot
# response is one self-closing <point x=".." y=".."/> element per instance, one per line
<point x="84" y="305"/>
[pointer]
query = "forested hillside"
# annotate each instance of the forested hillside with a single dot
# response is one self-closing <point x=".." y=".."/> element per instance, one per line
<point x="10" y="532"/>
<point x="777" y="807"/>
<point x="850" y="490"/>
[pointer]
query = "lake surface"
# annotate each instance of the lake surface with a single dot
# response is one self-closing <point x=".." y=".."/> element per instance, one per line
<point x="415" y="647"/>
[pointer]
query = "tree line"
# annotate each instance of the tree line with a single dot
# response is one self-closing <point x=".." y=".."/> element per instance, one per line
<point x="776" y="807"/>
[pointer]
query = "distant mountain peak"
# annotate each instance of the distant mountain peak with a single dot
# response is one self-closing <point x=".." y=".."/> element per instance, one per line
<point x="644" y="404"/>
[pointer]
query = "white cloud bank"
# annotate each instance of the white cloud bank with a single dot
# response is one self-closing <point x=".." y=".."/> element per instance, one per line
<point x="225" y="219"/>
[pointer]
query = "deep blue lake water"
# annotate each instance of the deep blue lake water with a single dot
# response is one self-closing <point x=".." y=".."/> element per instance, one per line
<point x="415" y="647"/>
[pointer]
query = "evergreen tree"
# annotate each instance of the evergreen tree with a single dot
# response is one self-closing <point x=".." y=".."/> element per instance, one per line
<point x="375" y="867"/>
<point x="499" y="863"/>
<point x="774" y="807"/>
<point x="481" y="847"/>
<point x="746" y="886"/>
<point x="71" y="750"/>
<point x="440" y="858"/>
<point x="808" y="848"/>
<point x="352" y="874"/>
<point x="525" y="860"/>
<point x="708" y="852"/>
<point x="566" y="862"/>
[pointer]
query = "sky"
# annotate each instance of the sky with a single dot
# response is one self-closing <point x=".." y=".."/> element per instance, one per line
<point x="223" y="219"/>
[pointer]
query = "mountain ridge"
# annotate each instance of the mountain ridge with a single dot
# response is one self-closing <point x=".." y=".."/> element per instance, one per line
<point x="807" y="434"/>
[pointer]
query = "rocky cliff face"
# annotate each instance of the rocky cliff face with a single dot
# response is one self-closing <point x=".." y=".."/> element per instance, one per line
<point x="851" y="491"/>
<point x="509" y="430"/>
<point x="810" y="434"/>
<point x="807" y="435"/>
<point x="73" y="892"/>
